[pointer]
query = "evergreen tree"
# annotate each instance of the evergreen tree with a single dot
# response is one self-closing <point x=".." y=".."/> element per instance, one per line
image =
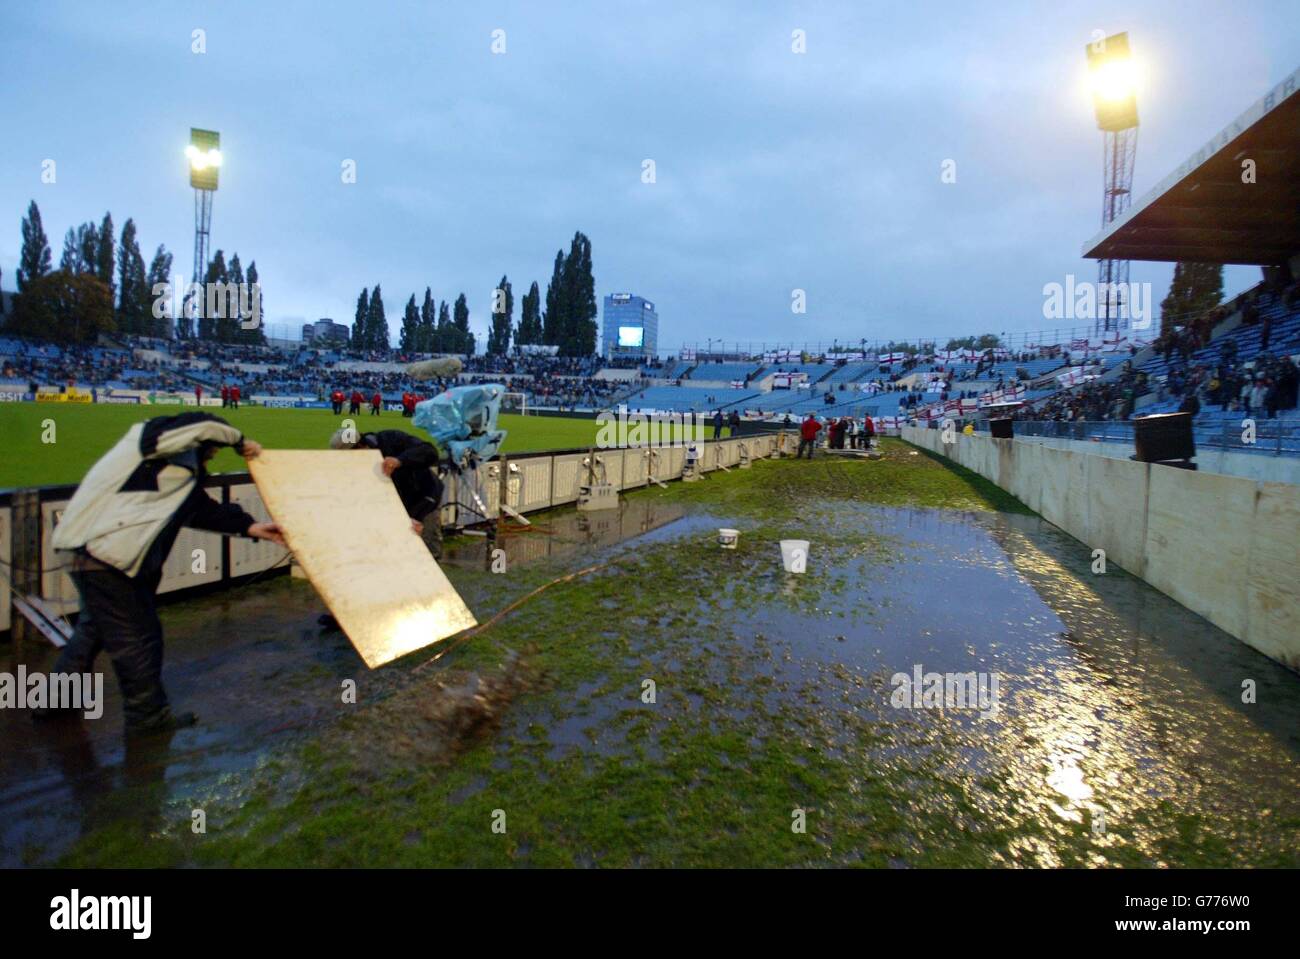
<point x="228" y="325"/>
<point x="88" y="240"/>
<point x="360" y="321"/>
<point x="530" y="320"/>
<point x="443" y="338"/>
<point x="410" y="334"/>
<point x="463" y="339"/>
<point x="376" y="323"/>
<point x="160" y="273"/>
<point x="503" y="308"/>
<point x="104" y="254"/>
<point x="133" y="297"/>
<point x="428" y="317"/>
<point x="553" y="321"/>
<point x="34" y="260"/>
<point x="256" y="332"/>
<point x="1194" y="289"/>
<point x="71" y="260"/>
<point x="579" y="303"/>
<point x="216" y="274"/>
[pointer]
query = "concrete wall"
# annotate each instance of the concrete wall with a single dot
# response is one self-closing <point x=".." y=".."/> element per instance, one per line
<point x="1226" y="547"/>
<point x="1256" y="466"/>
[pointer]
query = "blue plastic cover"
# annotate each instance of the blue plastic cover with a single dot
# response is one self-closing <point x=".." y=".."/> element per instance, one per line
<point x="464" y="420"/>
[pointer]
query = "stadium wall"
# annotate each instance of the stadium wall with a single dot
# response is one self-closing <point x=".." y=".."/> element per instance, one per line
<point x="1254" y="466"/>
<point x="1223" y="546"/>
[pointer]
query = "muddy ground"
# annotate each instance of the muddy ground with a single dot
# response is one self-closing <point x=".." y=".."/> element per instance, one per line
<point x="686" y="705"/>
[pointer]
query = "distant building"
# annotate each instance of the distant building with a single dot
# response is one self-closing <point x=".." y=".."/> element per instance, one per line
<point x="631" y="326"/>
<point x="324" y="332"/>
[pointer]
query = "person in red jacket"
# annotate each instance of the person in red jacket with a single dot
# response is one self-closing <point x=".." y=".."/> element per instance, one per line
<point x="225" y="395"/>
<point x="868" y="432"/>
<point x="354" y="407"/>
<point x="198" y="396"/>
<point x="336" y="400"/>
<point x="808" y="431"/>
<point x="408" y="404"/>
<point x="376" y="402"/>
<point x="234" y="397"/>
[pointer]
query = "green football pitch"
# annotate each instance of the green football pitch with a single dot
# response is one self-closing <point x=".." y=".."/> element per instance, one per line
<point x="48" y="443"/>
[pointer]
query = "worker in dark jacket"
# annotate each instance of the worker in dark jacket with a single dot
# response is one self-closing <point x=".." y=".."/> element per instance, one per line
<point x="119" y="527"/>
<point x="411" y="463"/>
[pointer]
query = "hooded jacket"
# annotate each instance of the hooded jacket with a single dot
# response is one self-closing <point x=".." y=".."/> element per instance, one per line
<point x="130" y="506"/>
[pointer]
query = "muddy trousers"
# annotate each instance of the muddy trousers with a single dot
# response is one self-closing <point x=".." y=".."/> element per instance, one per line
<point x="118" y="617"/>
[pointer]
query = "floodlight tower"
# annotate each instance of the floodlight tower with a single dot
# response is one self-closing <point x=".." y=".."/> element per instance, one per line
<point x="204" y="153"/>
<point x="1114" y="98"/>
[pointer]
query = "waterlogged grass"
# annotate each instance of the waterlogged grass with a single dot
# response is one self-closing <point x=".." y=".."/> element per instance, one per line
<point x="714" y="772"/>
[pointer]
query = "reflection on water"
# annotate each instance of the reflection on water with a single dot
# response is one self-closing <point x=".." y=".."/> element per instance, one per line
<point x="1112" y="696"/>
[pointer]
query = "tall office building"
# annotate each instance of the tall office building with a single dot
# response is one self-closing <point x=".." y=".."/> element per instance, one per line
<point x="631" y="326"/>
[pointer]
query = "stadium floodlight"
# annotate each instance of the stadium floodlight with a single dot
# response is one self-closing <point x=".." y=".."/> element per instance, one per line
<point x="204" y="155"/>
<point x="1113" y="79"/>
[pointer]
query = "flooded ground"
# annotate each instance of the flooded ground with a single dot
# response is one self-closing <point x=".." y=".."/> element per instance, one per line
<point x="685" y="705"/>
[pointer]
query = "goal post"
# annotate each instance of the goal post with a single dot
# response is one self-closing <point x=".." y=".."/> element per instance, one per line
<point x="514" y="403"/>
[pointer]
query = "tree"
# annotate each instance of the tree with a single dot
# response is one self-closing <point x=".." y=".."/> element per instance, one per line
<point x="553" y="321"/>
<point x="160" y="273"/>
<point x="442" y="333"/>
<point x="216" y="274"/>
<point x="428" y="316"/>
<point x="376" y="323"/>
<point x="362" y="317"/>
<point x="104" y="254"/>
<point x="229" y="320"/>
<point x="580" y="330"/>
<point x="1194" y="289"/>
<point x="88" y="240"/>
<point x="71" y="261"/>
<point x="410" y="335"/>
<point x="134" y="297"/>
<point x="256" y="331"/>
<point x="463" y="339"/>
<point x="34" y="259"/>
<point x="64" y="307"/>
<point x="503" y="308"/>
<point x="530" y="319"/>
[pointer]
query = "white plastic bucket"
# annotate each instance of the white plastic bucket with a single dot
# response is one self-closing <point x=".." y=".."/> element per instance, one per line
<point x="728" y="538"/>
<point x="794" y="555"/>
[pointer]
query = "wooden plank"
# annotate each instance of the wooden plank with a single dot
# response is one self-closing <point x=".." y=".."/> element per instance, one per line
<point x="346" y="526"/>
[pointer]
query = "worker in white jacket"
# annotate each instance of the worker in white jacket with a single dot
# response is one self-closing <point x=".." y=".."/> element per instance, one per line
<point x="119" y="528"/>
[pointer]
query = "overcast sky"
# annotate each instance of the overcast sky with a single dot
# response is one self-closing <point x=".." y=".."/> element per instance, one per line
<point x="774" y="170"/>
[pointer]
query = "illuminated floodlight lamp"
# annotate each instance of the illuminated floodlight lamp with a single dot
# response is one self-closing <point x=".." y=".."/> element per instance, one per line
<point x="1112" y="77"/>
<point x="204" y="154"/>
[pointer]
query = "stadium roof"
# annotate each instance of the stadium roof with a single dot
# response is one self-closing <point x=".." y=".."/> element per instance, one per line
<point x="1204" y="213"/>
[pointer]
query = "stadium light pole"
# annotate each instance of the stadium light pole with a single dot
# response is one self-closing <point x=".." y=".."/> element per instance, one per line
<point x="1114" y="97"/>
<point x="204" y="154"/>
